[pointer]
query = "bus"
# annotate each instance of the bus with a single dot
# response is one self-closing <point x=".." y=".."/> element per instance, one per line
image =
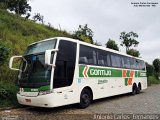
<point x="61" y="71"/>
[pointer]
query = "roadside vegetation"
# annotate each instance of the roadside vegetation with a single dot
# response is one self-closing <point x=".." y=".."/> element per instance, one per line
<point x="153" y="72"/>
<point x="16" y="33"/>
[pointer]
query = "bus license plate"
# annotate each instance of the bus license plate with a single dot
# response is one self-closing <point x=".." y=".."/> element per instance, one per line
<point x="28" y="100"/>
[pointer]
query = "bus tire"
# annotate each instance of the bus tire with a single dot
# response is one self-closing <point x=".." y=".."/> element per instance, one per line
<point x="134" y="89"/>
<point x="85" y="98"/>
<point x="138" y="88"/>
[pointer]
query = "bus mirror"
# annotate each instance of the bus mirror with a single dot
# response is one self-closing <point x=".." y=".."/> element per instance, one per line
<point x="11" y="62"/>
<point x="48" y="55"/>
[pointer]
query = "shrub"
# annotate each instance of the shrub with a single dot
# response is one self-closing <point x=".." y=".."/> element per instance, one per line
<point x="150" y="69"/>
<point x="152" y="80"/>
<point x="4" y="53"/>
<point x="8" y="94"/>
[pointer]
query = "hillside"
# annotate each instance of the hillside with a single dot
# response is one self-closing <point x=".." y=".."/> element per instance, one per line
<point x="17" y="33"/>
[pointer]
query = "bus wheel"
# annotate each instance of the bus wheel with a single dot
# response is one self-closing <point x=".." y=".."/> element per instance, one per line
<point x="138" y="88"/>
<point x="85" y="98"/>
<point x="134" y="89"/>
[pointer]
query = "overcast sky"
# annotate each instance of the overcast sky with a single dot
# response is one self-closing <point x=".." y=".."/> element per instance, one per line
<point x="107" y="18"/>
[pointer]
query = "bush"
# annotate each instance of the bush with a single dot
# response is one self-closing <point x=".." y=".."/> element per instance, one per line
<point x="133" y="52"/>
<point x="152" y="80"/>
<point x="150" y="69"/>
<point x="8" y="92"/>
<point x="4" y="53"/>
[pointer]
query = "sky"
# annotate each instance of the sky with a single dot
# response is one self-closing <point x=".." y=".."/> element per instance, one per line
<point x="107" y="19"/>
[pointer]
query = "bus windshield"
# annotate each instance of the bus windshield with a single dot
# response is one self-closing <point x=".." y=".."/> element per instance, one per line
<point x="37" y="73"/>
<point x="41" y="47"/>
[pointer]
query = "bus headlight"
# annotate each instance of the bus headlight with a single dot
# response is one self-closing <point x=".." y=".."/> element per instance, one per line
<point x="44" y="92"/>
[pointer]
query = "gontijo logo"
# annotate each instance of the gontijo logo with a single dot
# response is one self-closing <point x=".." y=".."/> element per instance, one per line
<point x="100" y="72"/>
<point x="86" y="71"/>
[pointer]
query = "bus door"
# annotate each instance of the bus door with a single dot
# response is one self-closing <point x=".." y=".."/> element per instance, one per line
<point x="64" y="72"/>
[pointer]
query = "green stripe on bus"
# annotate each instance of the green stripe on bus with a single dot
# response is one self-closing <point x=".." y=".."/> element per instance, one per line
<point x="42" y="88"/>
<point x="81" y="69"/>
<point x="90" y="71"/>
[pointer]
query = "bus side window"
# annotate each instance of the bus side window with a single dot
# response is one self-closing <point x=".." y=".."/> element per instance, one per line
<point x="142" y="64"/>
<point x="83" y="60"/>
<point x="116" y="60"/>
<point x="108" y="60"/>
<point x="133" y="63"/>
<point x="138" y="64"/>
<point x="126" y="62"/>
<point x="102" y="58"/>
<point x="134" y="60"/>
<point x="87" y="55"/>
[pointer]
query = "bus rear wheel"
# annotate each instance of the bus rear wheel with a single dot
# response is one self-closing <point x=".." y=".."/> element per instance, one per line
<point x="85" y="98"/>
<point x="134" y="89"/>
<point x="138" y="88"/>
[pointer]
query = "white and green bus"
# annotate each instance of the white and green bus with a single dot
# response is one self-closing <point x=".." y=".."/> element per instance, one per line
<point x="61" y="71"/>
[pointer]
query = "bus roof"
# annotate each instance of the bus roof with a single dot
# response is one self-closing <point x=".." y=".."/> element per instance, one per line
<point x="87" y="44"/>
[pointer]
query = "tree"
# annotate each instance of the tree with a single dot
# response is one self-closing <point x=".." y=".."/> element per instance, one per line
<point x="128" y="39"/>
<point x="112" y="45"/>
<point x="150" y="69"/>
<point x="20" y="7"/>
<point x="156" y="64"/>
<point x="3" y="4"/>
<point x="133" y="52"/>
<point x="97" y="43"/>
<point x="4" y="53"/>
<point x="84" y="33"/>
<point x="38" y="17"/>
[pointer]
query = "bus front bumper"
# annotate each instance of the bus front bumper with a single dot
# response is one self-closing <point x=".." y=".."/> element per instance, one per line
<point x="39" y="101"/>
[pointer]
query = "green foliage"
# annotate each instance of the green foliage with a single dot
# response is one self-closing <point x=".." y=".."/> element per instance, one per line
<point x="97" y="43"/>
<point x="152" y="80"/>
<point x="85" y="38"/>
<point x="8" y="94"/>
<point x="20" y="7"/>
<point x="4" y="53"/>
<point x="156" y="64"/>
<point x="84" y="33"/>
<point x="133" y="52"/>
<point x="128" y="39"/>
<point x="16" y="34"/>
<point x="38" y="17"/>
<point x="112" y="45"/>
<point x="150" y="69"/>
<point x="3" y="4"/>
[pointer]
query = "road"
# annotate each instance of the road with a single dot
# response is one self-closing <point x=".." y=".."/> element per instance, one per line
<point x="117" y="107"/>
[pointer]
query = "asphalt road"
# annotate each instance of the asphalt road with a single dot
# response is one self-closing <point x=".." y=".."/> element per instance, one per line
<point x="145" y="105"/>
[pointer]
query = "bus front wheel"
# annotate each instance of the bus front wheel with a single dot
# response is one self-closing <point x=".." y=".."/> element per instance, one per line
<point x="85" y="98"/>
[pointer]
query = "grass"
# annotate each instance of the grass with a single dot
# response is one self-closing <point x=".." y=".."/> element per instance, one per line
<point x="17" y="33"/>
